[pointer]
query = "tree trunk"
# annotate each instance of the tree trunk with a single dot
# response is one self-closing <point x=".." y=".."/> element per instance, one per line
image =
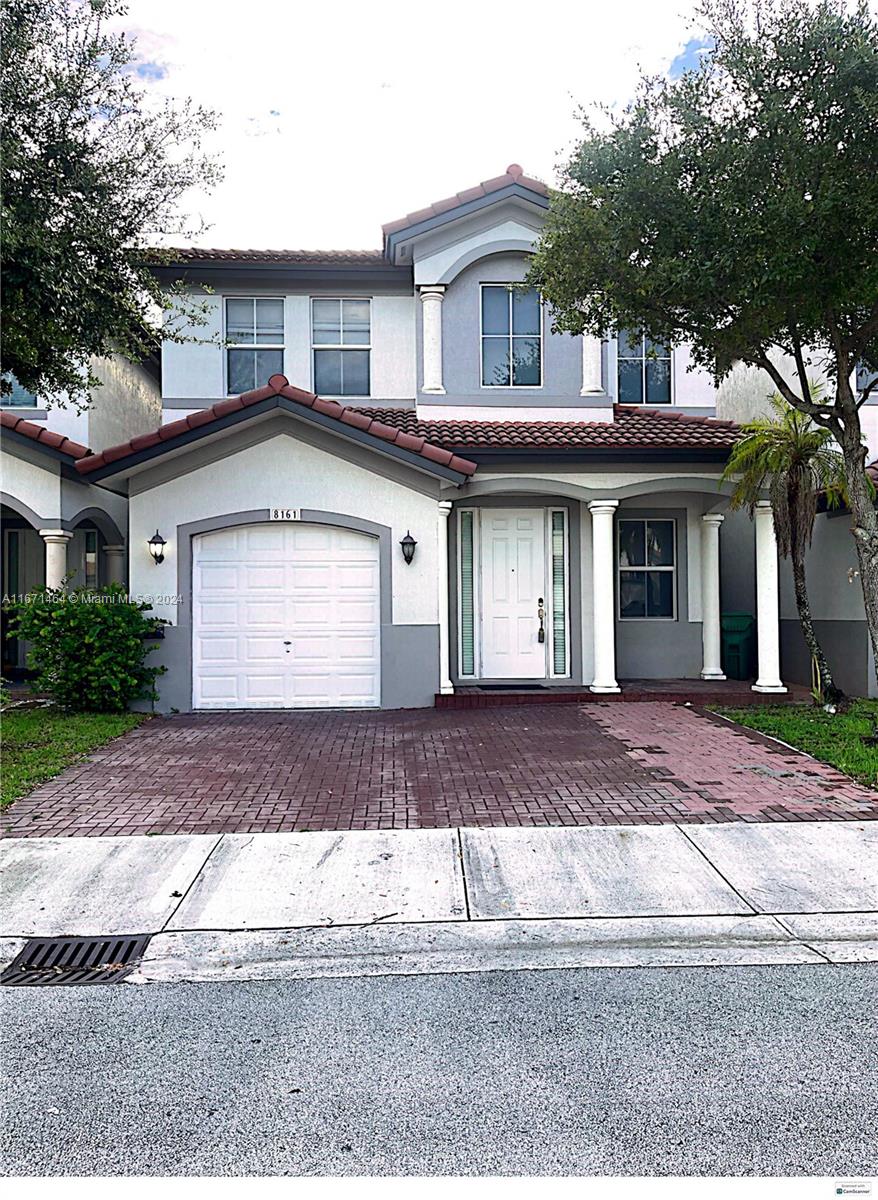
<point x="865" y="518"/>
<point x="831" y="693"/>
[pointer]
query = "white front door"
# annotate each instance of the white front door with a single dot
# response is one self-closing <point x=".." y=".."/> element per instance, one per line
<point x="513" y="564"/>
<point x="285" y="616"/>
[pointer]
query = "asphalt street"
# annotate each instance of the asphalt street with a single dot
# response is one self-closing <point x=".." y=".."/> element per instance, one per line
<point x="768" y="1070"/>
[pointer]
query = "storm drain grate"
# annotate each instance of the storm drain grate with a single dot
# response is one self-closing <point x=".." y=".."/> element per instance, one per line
<point x="71" y="961"/>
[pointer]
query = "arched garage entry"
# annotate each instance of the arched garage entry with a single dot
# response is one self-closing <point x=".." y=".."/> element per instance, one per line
<point x="286" y="615"/>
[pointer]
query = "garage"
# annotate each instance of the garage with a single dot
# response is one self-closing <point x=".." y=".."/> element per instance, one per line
<point x="285" y="615"/>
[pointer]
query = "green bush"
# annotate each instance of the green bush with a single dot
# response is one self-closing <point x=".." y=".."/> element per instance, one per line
<point x="88" y="648"/>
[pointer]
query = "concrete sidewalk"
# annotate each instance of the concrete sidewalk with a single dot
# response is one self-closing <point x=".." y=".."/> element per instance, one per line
<point x="289" y="905"/>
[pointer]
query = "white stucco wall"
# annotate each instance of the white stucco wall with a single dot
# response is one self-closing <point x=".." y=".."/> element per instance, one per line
<point x="38" y="487"/>
<point x="693" y="386"/>
<point x="283" y="471"/>
<point x="393" y="347"/>
<point x="194" y="370"/>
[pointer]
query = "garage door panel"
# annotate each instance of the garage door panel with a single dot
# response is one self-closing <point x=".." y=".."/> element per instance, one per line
<point x="218" y="615"/>
<point x="257" y="587"/>
<point x="263" y="614"/>
<point x="211" y="577"/>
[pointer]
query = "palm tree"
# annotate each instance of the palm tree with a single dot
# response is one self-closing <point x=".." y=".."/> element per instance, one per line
<point x="792" y="459"/>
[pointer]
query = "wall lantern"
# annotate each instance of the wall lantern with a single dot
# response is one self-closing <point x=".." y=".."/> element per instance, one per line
<point x="157" y="547"/>
<point x="408" y="544"/>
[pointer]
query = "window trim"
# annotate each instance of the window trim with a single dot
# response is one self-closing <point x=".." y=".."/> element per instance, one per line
<point x="254" y="346"/>
<point x="550" y="595"/>
<point x="643" y="360"/>
<point x="476" y="592"/>
<point x="673" y="569"/>
<point x="315" y="346"/>
<point x="508" y="387"/>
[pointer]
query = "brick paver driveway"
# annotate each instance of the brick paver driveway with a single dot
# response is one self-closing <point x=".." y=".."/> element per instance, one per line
<point x="534" y="765"/>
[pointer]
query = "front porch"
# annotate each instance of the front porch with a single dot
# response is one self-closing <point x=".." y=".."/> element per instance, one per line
<point x="558" y="596"/>
<point x="731" y="693"/>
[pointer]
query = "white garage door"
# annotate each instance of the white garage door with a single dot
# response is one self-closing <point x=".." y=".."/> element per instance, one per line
<point x="285" y="616"/>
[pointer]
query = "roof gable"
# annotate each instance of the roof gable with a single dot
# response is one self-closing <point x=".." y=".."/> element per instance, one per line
<point x="278" y="393"/>
<point x="512" y="184"/>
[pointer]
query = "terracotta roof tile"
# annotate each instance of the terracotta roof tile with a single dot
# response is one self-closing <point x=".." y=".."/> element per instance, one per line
<point x="342" y="258"/>
<point x="513" y="174"/>
<point x="632" y="429"/>
<point x="277" y="386"/>
<point x="46" y="437"/>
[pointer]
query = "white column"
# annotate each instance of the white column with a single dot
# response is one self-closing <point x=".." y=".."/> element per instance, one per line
<point x="446" y="687"/>
<point x="592" y="374"/>
<point x="56" y="556"/>
<point x="115" y="561"/>
<point x="711" y="663"/>
<point x="431" y="300"/>
<point x="767" y="602"/>
<point x="603" y="586"/>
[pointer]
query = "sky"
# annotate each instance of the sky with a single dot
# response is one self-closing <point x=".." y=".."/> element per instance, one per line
<point x="336" y="117"/>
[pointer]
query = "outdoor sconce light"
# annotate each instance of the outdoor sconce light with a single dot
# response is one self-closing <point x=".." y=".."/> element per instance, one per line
<point x="157" y="547"/>
<point x="408" y="544"/>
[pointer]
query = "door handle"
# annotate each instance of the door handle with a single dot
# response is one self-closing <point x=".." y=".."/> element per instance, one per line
<point x="288" y="643"/>
<point x="541" y="613"/>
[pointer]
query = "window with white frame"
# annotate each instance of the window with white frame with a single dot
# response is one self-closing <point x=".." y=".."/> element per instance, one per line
<point x="512" y="336"/>
<point x="647" y="570"/>
<point x="644" y="370"/>
<point x="341" y="345"/>
<point x="254" y="342"/>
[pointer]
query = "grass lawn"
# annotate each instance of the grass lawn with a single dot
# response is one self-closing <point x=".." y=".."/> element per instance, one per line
<point x="40" y="742"/>
<point x="834" y="740"/>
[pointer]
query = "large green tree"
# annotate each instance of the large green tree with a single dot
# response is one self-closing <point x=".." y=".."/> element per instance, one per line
<point x="93" y="169"/>
<point x="736" y="208"/>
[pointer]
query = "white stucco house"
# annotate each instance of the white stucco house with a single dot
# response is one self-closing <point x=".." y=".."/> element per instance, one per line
<point x="381" y="479"/>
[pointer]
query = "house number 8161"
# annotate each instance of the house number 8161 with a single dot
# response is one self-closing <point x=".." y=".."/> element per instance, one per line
<point x="284" y="514"/>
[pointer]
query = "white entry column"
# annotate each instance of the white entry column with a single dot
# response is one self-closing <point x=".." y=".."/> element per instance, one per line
<point x="767" y="602"/>
<point x="603" y="586"/>
<point x="431" y="302"/>
<point x="446" y="687"/>
<point x="592" y="372"/>
<point x="711" y="663"/>
<point x="56" y="556"/>
<point x="115" y="560"/>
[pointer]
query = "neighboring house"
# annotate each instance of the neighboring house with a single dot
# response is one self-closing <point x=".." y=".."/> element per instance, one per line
<point x="57" y="525"/>
<point x="473" y="501"/>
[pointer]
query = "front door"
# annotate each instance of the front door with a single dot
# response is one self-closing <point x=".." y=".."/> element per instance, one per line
<point x="513" y="592"/>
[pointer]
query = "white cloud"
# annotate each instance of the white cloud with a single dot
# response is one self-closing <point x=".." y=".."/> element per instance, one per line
<point x="338" y="117"/>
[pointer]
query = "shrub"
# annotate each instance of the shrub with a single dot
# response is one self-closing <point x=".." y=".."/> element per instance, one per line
<point x="88" y="648"/>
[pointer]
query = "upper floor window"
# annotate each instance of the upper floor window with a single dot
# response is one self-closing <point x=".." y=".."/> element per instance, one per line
<point x="512" y="336"/>
<point x="255" y="341"/>
<point x="647" y="570"/>
<point x="644" y="370"/>
<point x="341" y="340"/>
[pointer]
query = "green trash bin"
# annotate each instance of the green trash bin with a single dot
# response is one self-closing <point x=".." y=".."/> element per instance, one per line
<point x="738" y="645"/>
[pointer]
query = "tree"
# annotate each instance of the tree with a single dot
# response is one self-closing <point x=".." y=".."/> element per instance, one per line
<point x="736" y="209"/>
<point x="797" y="463"/>
<point x="92" y="172"/>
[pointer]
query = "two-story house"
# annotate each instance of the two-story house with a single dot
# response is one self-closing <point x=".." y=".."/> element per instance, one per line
<point x="383" y="478"/>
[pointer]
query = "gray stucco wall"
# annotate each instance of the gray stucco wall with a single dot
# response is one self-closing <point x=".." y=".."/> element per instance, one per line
<point x="461" y="345"/>
<point x="128" y="403"/>
<point x="737" y="564"/>
<point x="846" y="645"/>
<point x="661" y="649"/>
